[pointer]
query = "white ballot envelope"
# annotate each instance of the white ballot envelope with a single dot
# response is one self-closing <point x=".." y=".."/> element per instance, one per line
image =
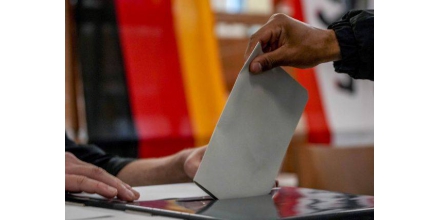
<point x="251" y="138"/>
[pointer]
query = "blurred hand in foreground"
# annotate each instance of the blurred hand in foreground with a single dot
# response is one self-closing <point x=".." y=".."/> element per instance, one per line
<point x="85" y="177"/>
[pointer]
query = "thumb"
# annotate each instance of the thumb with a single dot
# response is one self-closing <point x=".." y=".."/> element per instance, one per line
<point x="266" y="61"/>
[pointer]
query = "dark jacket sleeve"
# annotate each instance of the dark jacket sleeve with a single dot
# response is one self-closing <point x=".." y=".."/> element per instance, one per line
<point x="355" y="34"/>
<point x="94" y="155"/>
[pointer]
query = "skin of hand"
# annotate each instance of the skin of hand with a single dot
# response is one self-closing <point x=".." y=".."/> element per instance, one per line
<point x="86" y="177"/>
<point x="193" y="161"/>
<point x="289" y="42"/>
<point x="177" y="168"/>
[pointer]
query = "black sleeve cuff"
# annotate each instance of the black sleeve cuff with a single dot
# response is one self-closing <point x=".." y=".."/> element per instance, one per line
<point x="96" y="156"/>
<point x="355" y="35"/>
<point x="349" y="53"/>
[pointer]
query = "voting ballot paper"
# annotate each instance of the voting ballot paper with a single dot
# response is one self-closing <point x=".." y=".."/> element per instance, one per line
<point x="252" y="135"/>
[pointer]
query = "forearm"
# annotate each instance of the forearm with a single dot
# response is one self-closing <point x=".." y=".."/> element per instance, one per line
<point x="156" y="170"/>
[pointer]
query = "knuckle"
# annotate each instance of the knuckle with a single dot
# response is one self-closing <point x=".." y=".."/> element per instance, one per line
<point x="99" y="185"/>
<point x="98" y="171"/>
<point x="80" y="181"/>
<point x="269" y="62"/>
<point x="277" y="16"/>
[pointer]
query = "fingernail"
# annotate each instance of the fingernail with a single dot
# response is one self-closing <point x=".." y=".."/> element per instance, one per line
<point x="136" y="194"/>
<point x="129" y="192"/>
<point x="256" y="67"/>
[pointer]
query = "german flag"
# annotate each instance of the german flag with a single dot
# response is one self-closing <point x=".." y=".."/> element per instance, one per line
<point x="151" y="74"/>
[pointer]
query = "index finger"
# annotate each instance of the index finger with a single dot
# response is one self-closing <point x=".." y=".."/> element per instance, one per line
<point x="262" y="35"/>
<point x="268" y="35"/>
<point x="101" y="175"/>
<point x="77" y="183"/>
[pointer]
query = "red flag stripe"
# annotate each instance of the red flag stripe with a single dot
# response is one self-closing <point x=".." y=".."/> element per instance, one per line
<point x="154" y="77"/>
<point x="316" y="121"/>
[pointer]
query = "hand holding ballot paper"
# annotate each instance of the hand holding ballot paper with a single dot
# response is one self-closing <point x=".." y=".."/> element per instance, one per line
<point x="252" y="135"/>
<point x="348" y="42"/>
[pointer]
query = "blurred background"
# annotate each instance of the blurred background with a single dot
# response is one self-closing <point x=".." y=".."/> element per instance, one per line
<point x="148" y="78"/>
